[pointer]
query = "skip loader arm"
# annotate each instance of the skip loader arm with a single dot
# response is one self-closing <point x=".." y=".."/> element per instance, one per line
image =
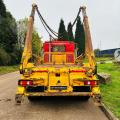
<point x="90" y="55"/>
<point x="88" y="42"/>
<point x="27" y="53"/>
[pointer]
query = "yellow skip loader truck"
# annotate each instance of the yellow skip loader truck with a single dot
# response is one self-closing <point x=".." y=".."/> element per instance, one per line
<point x="61" y="72"/>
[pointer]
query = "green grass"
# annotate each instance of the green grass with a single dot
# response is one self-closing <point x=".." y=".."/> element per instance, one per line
<point x="7" y="69"/>
<point x="111" y="92"/>
<point x="98" y="59"/>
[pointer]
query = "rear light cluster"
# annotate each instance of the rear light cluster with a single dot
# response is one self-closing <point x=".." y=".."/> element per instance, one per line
<point x="91" y="83"/>
<point x="25" y="83"/>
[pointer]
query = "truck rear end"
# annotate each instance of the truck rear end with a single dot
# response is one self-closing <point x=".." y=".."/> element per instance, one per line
<point x="61" y="72"/>
<point x="59" y="75"/>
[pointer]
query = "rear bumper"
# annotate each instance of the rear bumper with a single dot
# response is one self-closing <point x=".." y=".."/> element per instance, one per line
<point x="58" y="94"/>
<point x="39" y="92"/>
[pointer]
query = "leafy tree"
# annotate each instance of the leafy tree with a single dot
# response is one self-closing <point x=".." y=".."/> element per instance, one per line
<point x="2" y="9"/>
<point x="8" y="30"/>
<point x="5" y="58"/>
<point x="10" y="50"/>
<point x="97" y="52"/>
<point x="10" y="40"/>
<point x="70" y="32"/>
<point x="36" y="40"/>
<point x="80" y="37"/>
<point x="36" y="43"/>
<point x="8" y="35"/>
<point x="22" y="29"/>
<point x="62" y="33"/>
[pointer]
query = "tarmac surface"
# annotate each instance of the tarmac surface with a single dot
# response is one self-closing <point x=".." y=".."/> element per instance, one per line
<point x="45" y="108"/>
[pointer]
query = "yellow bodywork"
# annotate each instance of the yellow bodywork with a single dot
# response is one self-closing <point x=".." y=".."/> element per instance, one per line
<point x="58" y="57"/>
<point x="49" y="78"/>
<point x="57" y="73"/>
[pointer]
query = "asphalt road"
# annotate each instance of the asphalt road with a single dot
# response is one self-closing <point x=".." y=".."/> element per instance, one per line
<point x="46" y="108"/>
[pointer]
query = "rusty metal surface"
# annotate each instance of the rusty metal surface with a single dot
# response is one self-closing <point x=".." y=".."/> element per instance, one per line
<point x="45" y="108"/>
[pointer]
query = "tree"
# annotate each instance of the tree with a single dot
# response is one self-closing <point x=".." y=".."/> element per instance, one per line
<point x="70" y="32"/>
<point x="8" y="36"/>
<point x="80" y="37"/>
<point x="62" y="33"/>
<point x="36" y="40"/>
<point x="22" y="29"/>
<point x="5" y="58"/>
<point x="10" y="53"/>
<point x="8" y="33"/>
<point x="97" y="52"/>
<point x="36" y="43"/>
<point x="2" y="9"/>
<point x="10" y="40"/>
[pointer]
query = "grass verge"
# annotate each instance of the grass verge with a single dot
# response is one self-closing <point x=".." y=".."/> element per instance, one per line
<point x="111" y="92"/>
<point x="98" y="59"/>
<point x="8" y="69"/>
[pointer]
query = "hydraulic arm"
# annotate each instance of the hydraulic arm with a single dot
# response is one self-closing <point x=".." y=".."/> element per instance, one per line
<point x="27" y="53"/>
<point x="88" y="42"/>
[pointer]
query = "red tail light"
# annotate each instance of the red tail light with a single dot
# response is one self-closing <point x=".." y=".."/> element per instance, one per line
<point x="25" y="83"/>
<point x="91" y="83"/>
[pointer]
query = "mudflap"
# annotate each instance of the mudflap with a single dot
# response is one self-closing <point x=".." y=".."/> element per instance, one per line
<point x="18" y="99"/>
<point x="96" y="95"/>
<point x="97" y="99"/>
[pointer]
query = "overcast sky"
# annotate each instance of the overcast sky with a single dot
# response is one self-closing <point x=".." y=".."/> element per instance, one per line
<point x="104" y="17"/>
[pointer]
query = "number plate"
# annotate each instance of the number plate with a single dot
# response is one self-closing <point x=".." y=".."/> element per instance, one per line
<point x="58" y="87"/>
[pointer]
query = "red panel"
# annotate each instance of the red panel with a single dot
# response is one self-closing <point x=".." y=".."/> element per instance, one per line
<point x="70" y="47"/>
<point x="46" y="58"/>
<point x="46" y="47"/>
<point x="70" y="58"/>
